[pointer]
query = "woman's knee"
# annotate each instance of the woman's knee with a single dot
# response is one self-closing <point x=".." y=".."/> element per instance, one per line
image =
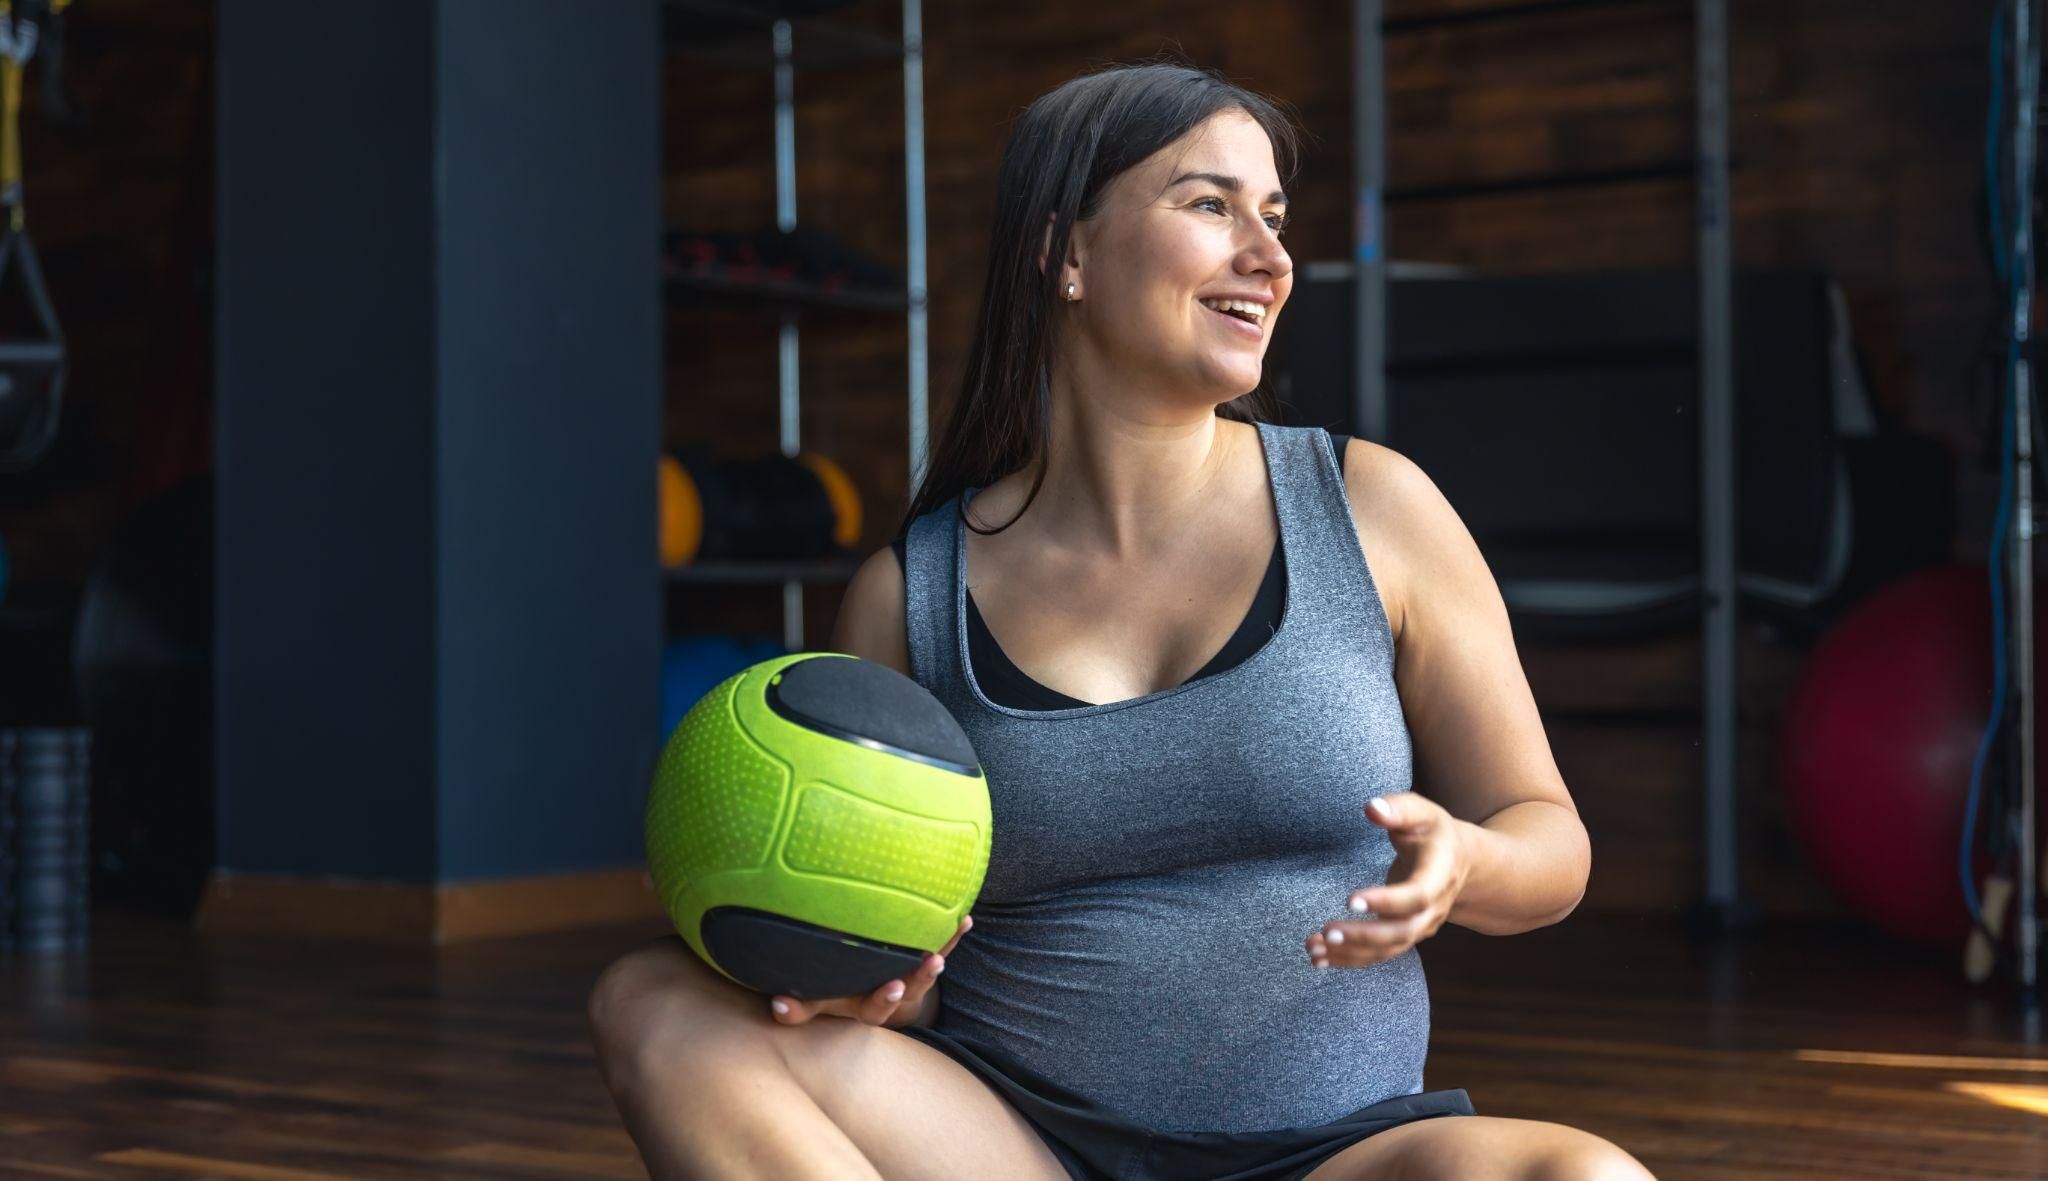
<point x="622" y="1007"/>
<point x="651" y="1000"/>
<point x="1582" y="1156"/>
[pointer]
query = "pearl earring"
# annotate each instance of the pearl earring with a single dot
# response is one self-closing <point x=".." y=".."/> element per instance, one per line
<point x="1070" y="293"/>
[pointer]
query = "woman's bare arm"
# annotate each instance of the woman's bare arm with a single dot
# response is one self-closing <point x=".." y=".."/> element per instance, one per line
<point x="1479" y="746"/>
<point x="870" y="623"/>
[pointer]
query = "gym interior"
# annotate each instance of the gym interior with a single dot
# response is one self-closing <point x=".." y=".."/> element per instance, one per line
<point x="409" y="414"/>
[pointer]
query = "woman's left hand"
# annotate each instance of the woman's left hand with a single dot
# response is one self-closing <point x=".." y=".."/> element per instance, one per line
<point x="1430" y="865"/>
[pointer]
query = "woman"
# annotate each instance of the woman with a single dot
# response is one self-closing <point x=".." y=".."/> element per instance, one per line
<point x="1195" y="951"/>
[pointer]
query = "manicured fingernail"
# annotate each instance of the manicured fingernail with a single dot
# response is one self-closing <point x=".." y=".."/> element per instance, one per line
<point x="1320" y="962"/>
<point x="1380" y="808"/>
<point x="1334" y="937"/>
<point x="781" y="1009"/>
<point x="894" y="992"/>
<point x="941" y="966"/>
<point x="1359" y="904"/>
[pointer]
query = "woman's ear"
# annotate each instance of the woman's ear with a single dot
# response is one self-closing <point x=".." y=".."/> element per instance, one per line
<point x="1070" y="271"/>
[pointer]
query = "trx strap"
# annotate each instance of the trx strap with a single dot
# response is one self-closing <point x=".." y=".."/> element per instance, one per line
<point x="25" y="364"/>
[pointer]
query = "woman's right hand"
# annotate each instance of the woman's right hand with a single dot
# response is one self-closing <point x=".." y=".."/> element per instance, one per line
<point x="895" y="1004"/>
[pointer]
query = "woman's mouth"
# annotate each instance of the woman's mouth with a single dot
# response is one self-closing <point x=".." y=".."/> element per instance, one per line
<point x="1245" y="316"/>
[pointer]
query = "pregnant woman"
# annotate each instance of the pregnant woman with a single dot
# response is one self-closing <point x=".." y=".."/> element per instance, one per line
<point x="1251" y="716"/>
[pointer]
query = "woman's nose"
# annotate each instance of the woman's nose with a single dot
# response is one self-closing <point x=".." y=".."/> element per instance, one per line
<point x="1266" y="254"/>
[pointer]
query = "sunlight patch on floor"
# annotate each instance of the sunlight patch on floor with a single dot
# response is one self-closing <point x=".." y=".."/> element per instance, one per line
<point x="1924" y="1061"/>
<point x="2018" y="1097"/>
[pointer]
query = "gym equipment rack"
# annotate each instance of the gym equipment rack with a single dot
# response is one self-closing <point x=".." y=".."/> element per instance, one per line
<point x="819" y="44"/>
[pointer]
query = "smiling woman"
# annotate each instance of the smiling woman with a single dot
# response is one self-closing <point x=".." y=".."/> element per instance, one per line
<point x="1195" y="953"/>
<point x="1161" y="138"/>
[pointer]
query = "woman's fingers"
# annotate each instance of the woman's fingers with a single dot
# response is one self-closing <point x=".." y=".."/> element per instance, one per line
<point x="1357" y="944"/>
<point x="881" y="1003"/>
<point x="874" y="1008"/>
<point x="877" y="1007"/>
<point x="791" y="1011"/>
<point x="916" y="985"/>
<point x="1392" y="902"/>
<point x="966" y="921"/>
<point x="1375" y="935"/>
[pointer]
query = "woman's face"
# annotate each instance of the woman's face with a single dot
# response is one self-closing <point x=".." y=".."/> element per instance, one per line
<point x="1181" y="275"/>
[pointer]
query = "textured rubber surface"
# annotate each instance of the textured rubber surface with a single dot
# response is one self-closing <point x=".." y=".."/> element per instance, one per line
<point x="868" y="700"/>
<point x="778" y="956"/>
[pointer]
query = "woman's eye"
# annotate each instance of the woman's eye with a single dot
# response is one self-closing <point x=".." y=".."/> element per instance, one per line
<point x="1277" y="222"/>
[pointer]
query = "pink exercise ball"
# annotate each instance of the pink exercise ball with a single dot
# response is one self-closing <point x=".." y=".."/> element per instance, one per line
<point x="1877" y="744"/>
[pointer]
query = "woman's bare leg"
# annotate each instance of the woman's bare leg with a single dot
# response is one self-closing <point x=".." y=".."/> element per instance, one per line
<point x="1482" y="1148"/>
<point x="710" y="1086"/>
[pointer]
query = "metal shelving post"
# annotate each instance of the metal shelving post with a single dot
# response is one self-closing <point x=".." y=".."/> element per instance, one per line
<point x="1369" y="171"/>
<point x="913" y="201"/>
<point x="2022" y="528"/>
<point x="1723" y="899"/>
<point x="788" y="410"/>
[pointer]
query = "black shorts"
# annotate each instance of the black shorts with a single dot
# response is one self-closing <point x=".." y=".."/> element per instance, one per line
<point x="1095" y="1144"/>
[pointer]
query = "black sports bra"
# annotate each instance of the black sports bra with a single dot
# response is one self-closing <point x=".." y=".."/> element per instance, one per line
<point x="1005" y="684"/>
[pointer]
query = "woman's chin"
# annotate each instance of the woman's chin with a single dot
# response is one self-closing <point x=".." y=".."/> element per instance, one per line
<point x="1217" y="380"/>
<point x="1235" y="382"/>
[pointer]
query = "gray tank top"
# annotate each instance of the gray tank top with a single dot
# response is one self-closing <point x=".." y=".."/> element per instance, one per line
<point x="1158" y="862"/>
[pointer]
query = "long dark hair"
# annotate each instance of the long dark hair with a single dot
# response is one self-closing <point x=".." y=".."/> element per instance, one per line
<point x="1064" y="151"/>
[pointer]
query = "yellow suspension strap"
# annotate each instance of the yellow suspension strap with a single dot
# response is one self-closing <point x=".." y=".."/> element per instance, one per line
<point x="18" y="38"/>
<point x="30" y="369"/>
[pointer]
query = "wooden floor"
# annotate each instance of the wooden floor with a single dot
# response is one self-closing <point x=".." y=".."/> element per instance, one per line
<point x="1808" y="1053"/>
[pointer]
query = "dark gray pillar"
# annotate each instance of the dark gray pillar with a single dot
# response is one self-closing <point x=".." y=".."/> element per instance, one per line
<point x="438" y="415"/>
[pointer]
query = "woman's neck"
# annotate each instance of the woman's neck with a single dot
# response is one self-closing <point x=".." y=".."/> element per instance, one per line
<point x="1125" y="479"/>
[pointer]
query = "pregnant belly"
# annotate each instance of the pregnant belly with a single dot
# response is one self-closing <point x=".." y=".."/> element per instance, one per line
<point x="1189" y="1009"/>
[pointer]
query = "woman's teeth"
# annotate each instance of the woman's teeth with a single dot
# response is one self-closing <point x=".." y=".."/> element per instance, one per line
<point x="1243" y="308"/>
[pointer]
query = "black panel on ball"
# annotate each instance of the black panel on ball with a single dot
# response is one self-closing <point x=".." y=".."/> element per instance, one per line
<point x="873" y="704"/>
<point x="775" y="955"/>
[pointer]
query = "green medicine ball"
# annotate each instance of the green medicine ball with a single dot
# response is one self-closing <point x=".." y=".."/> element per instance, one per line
<point x="817" y="824"/>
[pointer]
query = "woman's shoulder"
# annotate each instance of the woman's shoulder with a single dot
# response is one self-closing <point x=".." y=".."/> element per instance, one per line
<point x="1405" y="523"/>
<point x="871" y="621"/>
<point x="1368" y="465"/>
<point x="1376" y="487"/>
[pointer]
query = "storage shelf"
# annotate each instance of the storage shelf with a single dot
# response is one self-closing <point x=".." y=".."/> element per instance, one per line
<point x="691" y="286"/>
<point x="720" y="32"/>
<point x="733" y="33"/>
<point x="1496" y="13"/>
<point x="1592" y="178"/>
<point x="823" y="570"/>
